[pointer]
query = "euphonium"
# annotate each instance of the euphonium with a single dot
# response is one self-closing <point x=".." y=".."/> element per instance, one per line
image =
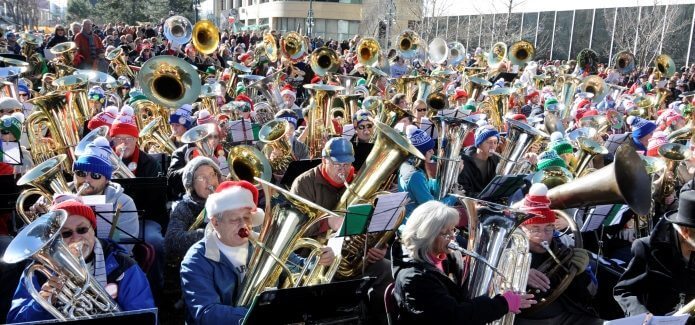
<point x="151" y="136"/>
<point x="41" y="242"/>
<point x="520" y="138"/>
<point x="499" y="105"/>
<point x="284" y="231"/>
<point x="390" y="150"/>
<point x="46" y="179"/>
<point x="521" y="52"/>
<point x="119" y="63"/>
<point x="65" y="55"/>
<point x="408" y="44"/>
<point x="274" y="135"/>
<point x="178" y="30"/>
<point x="673" y="154"/>
<point x="169" y="81"/>
<point x="588" y="149"/>
<point x="452" y="132"/>
<point x="323" y="61"/>
<point x="321" y="125"/>
<point x="51" y="112"/>
<point x="293" y="47"/>
<point x="205" y="37"/>
<point x="246" y="163"/>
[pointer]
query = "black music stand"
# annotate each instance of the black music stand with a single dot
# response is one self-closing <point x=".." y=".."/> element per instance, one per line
<point x="297" y="168"/>
<point x="144" y="316"/>
<point x="507" y="76"/>
<point x="324" y="303"/>
<point x="149" y="195"/>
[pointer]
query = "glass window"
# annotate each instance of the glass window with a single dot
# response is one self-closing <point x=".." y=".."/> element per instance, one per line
<point x="545" y="35"/>
<point x="677" y="32"/>
<point x="528" y="32"/>
<point x="561" y="46"/>
<point x="601" y="39"/>
<point x="582" y="31"/>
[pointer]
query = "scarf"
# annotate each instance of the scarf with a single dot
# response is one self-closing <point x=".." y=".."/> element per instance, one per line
<point x="92" y="45"/>
<point x="97" y="265"/>
<point x="133" y="163"/>
<point x="328" y="179"/>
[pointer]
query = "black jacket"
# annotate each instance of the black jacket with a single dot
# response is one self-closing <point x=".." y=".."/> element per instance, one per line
<point x="471" y="178"/>
<point x="657" y="276"/>
<point x="425" y="295"/>
<point x="147" y="166"/>
<point x="56" y="39"/>
<point x="175" y="171"/>
<point x="178" y="239"/>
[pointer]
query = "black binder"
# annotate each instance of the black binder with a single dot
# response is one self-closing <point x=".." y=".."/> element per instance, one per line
<point x="149" y="195"/>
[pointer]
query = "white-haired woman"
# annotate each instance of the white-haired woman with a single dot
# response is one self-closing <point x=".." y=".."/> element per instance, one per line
<point x="429" y="282"/>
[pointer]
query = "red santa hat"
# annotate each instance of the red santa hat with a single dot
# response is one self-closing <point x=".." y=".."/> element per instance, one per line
<point x="460" y="93"/>
<point x="244" y="57"/>
<point x="288" y="90"/>
<point x="243" y="97"/>
<point x="316" y="80"/>
<point x="231" y="195"/>
<point x="537" y="202"/>
<point x="532" y="95"/>
<point x="124" y="123"/>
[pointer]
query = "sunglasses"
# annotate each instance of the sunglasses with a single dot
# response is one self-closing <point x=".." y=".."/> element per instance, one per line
<point x="68" y="233"/>
<point x="421" y="109"/>
<point x="365" y="126"/>
<point x="94" y="176"/>
<point x="23" y="95"/>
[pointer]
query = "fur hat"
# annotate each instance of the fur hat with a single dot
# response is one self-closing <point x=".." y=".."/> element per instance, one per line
<point x="231" y="195"/>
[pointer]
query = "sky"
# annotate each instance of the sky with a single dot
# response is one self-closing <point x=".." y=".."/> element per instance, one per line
<point x="467" y="7"/>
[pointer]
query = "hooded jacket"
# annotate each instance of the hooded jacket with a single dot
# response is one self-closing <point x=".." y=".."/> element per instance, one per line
<point x="471" y="178"/>
<point x="133" y="289"/>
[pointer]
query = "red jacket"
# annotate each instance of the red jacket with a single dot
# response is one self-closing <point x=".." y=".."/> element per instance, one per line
<point x="82" y="42"/>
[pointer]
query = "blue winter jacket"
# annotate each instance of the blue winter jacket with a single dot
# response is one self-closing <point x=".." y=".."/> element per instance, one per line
<point x="420" y="189"/>
<point x="133" y="289"/>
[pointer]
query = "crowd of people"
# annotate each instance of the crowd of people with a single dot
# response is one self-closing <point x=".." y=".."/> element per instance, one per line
<point x="443" y="131"/>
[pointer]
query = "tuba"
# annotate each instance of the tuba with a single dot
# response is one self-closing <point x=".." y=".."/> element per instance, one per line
<point x="119" y="63"/>
<point x="169" y="81"/>
<point x="498" y="100"/>
<point x="274" y="135"/>
<point x="452" y="131"/>
<point x="457" y="53"/>
<point x="198" y="135"/>
<point x="497" y="54"/>
<point x="293" y="47"/>
<point x="438" y="51"/>
<point x="208" y="97"/>
<point x="41" y="242"/>
<point x="150" y="137"/>
<point x="178" y="30"/>
<point x="595" y="85"/>
<point x="390" y="150"/>
<point x="520" y="138"/>
<point x="51" y="112"/>
<point x="76" y="88"/>
<point x="665" y="67"/>
<point x="46" y="179"/>
<point x="205" y="37"/>
<point x="323" y="61"/>
<point x="247" y="163"/>
<point x="64" y="56"/>
<point x="236" y="69"/>
<point x="408" y="44"/>
<point x="321" y="124"/>
<point x="145" y="111"/>
<point x="588" y="149"/>
<point x="673" y="154"/>
<point x="368" y="50"/>
<point x="569" y="84"/>
<point x="521" y="52"/>
<point x="269" y="89"/>
<point x="283" y="231"/>
<point x="624" y="62"/>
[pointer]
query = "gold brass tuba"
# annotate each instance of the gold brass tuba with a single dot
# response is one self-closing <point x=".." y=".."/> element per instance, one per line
<point x="665" y="67"/>
<point x="520" y="138"/>
<point x="41" y="242"/>
<point x="497" y="54"/>
<point x="498" y="105"/>
<point x="208" y="97"/>
<point x="588" y="149"/>
<point x="46" y="179"/>
<point x="274" y="135"/>
<point x="64" y="56"/>
<point x="673" y="154"/>
<point x="236" y="69"/>
<point x="390" y="150"/>
<point x="323" y="61"/>
<point x="247" y="163"/>
<point x="321" y="125"/>
<point x="145" y="111"/>
<point x="595" y="85"/>
<point x="521" y="52"/>
<point x="368" y="51"/>
<point x="119" y="63"/>
<point x="150" y="137"/>
<point x="293" y="47"/>
<point x="205" y="37"/>
<point x="76" y="88"/>
<point x="169" y="81"/>
<point x="51" y="113"/>
<point x="624" y="62"/>
<point x="408" y="44"/>
<point x="284" y="231"/>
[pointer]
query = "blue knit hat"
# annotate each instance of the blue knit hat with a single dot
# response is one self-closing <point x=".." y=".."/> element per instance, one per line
<point x="483" y="133"/>
<point x="362" y="115"/>
<point x="640" y="127"/>
<point x="182" y="116"/>
<point x="96" y="158"/>
<point x="419" y="139"/>
<point x="96" y="94"/>
<point x="22" y="88"/>
<point x="549" y="158"/>
<point x="287" y="115"/>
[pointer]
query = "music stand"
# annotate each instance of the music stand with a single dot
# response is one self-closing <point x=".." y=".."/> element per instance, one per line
<point x="312" y="304"/>
<point x="143" y="316"/>
<point x="297" y="168"/>
<point x="507" y="76"/>
<point x="149" y="195"/>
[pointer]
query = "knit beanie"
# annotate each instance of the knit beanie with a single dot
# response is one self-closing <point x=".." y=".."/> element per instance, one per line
<point x="287" y="115"/>
<point x="136" y="95"/>
<point x="9" y="104"/>
<point x="124" y="123"/>
<point x="107" y="117"/>
<point x="96" y="94"/>
<point x="549" y="158"/>
<point x="22" y="88"/>
<point x="550" y="104"/>
<point x="469" y="108"/>
<point x="182" y="116"/>
<point x="231" y="195"/>
<point x="95" y="158"/>
<point x="537" y="203"/>
<point x="483" y="133"/>
<point x="657" y="140"/>
<point x="559" y="144"/>
<point x="204" y="117"/>
<point x="419" y="139"/>
<point x="13" y="124"/>
<point x="640" y="127"/>
<point x="75" y="207"/>
<point x="240" y="89"/>
<point x="192" y="166"/>
<point x="362" y="115"/>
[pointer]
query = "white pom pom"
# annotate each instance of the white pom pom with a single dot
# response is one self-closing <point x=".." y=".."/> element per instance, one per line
<point x="101" y="142"/>
<point x="127" y="110"/>
<point x="538" y="189"/>
<point x="555" y="136"/>
<point x="111" y="109"/>
<point x="203" y="114"/>
<point x="630" y="119"/>
<point x="410" y="130"/>
<point x="19" y="116"/>
<point x="481" y="123"/>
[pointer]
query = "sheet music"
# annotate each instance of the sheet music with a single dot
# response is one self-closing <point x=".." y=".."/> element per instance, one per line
<point x="336" y="244"/>
<point x="669" y="320"/>
<point x="387" y="208"/>
<point x="237" y="130"/>
<point x="651" y="320"/>
<point x="11" y="153"/>
<point x="348" y="131"/>
<point x="632" y="320"/>
<point x="104" y="214"/>
<point x="594" y="220"/>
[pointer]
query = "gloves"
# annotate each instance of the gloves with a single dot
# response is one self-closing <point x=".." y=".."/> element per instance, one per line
<point x="580" y="259"/>
<point x="513" y="301"/>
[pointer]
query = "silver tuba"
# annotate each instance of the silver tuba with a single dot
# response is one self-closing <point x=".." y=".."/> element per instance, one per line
<point x="81" y="295"/>
<point x="452" y="132"/>
<point x="269" y="89"/>
<point x="520" y="137"/>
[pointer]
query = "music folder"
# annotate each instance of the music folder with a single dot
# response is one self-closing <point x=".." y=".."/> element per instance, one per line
<point x="501" y="187"/>
<point x="382" y="216"/>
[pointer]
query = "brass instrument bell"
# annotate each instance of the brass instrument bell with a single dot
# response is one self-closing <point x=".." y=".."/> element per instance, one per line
<point x="178" y="30"/>
<point x="368" y="51"/>
<point x="521" y="52"/>
<point x="206" y="37"/>
<point x="169" y="81"/>
<point x="324" y="60"/>
<point x="408" y="44"/>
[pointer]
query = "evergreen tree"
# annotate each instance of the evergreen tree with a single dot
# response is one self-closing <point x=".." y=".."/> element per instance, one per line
<point x="79" y="9"/>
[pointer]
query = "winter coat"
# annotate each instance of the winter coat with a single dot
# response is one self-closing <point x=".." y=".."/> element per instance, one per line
<point x="312" y="186"/>
<point x="425" y="295"/>
<point x="178" y="239"/>
<point x="178" y="161"/>
<point x="56" y="39"/>
<point x="471" y="178"/>
<point x="82" y="42"/>
<point x="657" y="279"/>
<point x="147" y="166"/>
<point x="133" y="289"/>
<point x="419" y="187"/>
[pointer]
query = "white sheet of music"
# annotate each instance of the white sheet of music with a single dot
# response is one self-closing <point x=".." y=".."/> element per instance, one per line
<point x="11" y="154"/>
<point x="104" y="214"/>
<point x="348" y="131"/>
<point x="387" y="208"/>
<point x="651" y="320"/>
<point x="238" y="128"/>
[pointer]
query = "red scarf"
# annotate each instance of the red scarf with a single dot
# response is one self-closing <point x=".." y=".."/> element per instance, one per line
<point x="133" y="160"/>
<point x="328" y="179"/>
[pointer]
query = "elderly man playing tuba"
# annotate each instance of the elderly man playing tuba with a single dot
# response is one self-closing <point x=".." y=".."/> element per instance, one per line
<point x="214" y="267"/>
<point x="109" y="263"/>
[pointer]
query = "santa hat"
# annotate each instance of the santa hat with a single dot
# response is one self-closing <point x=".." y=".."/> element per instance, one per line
<point x="107" y="117"/>
<point x="655" y="142"/>
<point x="316" y="80"/>
<point x="204" y="117"/>
<point x="124" y="123"/>
<point x="76" y="207"/>
<point x="243" y="97"/>
<point x="537" y="202"/>
<point x="231" y="195"/>
<point x="288" y="90"/>
<point x="244" y="57"/>
<point x="532" y="95"/>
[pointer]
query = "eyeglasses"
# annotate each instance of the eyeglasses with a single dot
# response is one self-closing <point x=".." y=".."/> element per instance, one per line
<point x="450" y="235"/>
<point x="546" y="230"/>
<point x="340" y="165"/>
<point x="69" y="232"/>
<point x="421" y="109"/>
<point x="92" y="175"/>
<point x="365" y="126"/>
<point x="205" y="179"/>
<point x="124" y="140"/>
